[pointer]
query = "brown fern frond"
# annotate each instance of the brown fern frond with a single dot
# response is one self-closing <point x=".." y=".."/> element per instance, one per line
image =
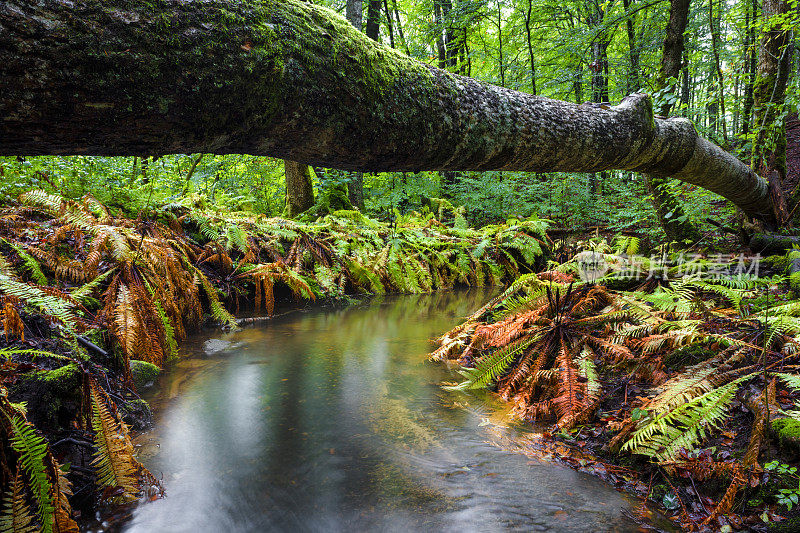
<point x="725" y="505"/>
<point x="114" y="462"/>
<point x="761" y="408"/>
<point x="125" y="321"/>
<point x="16" y="514"/>
<point x="571" y="398"/>
<point x="12" y="323"/>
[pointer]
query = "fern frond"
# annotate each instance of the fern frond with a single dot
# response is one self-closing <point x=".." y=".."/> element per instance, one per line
<point x="16" y="516"/>
<point x="491" y="366"/>
<point x="663" y="436"/>
<point x="32" y="450"/>
<point x="113" y="460"/>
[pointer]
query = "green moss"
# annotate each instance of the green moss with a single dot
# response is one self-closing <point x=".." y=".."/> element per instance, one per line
<point x="688" y="355"/>
<point x="779" y="263"/>
<point x="788" y="431"/>
<point x="794" y="283"/>
<point x="143" y="373"/>
<point x="52" y="396"/>
<point x="65" y="376"/>
<point x="790" y="525"/>
<point x="136" y="413"/>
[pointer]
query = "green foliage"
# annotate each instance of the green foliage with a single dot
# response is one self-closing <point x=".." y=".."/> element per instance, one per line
<point x="32" y="450"/>
<point x="663" y="434"/>
<point x="490" y="367"/>
<point x="786" y="497"/>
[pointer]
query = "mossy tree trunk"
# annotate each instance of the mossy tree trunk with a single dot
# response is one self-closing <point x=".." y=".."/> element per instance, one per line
<point x="299" y="188"/>
<point x="769" y="95"/>
<point x="769" y="90"/>
<point x="296" y="81"/>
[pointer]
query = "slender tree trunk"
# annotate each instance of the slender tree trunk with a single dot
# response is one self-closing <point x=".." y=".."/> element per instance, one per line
<point x="750" y="51"/>
<point x="530" y="46"/>
<point x="303" y="84"/>
<point x="441" y="50"/>
<point x="634" y="83"/>
<point x="668" y="206"/>
<point x="374" y="20"/>
<point x="714" y="23"/>
<point x="501" y="60"/>
<point x="389" y="22"/>
<point x="299" y="189"/>
<point x="353" y="10"/>
<point x="673" y="48"/>
<point x="189" y="174"/>
<point x="685" y="84"/>
<point x="400" y="27"/>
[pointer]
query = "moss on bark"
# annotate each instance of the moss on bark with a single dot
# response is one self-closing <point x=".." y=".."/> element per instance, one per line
<point x="295" y="80"/>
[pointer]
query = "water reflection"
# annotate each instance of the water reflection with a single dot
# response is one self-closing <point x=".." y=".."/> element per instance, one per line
<point x="331" y="420"/>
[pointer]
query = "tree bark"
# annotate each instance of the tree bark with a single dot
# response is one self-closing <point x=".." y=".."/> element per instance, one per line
<point x="634" y="82"/>
<point x="769" y="90"/>
<point x="295" y="80"/>
<point x="714" y="24"/>
<point x="353" y="10"/>
<point x="374" y="20"/>
<point x="668" y="206"/>
<point x="671" y="57"/>
<point x="299" y="189"/>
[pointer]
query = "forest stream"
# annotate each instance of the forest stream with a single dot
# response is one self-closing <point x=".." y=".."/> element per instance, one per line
<point x="331" y="419"/>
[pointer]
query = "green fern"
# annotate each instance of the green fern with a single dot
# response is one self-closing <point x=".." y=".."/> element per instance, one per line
<point x="218" y="311"/>
<point x="31" y="264"/>
<point x="50" y="306"/>
<point x="32" y="450"/>
<point x="49" y="203"/>
<point x="491" y="366"/>
<point x="683" y="426"/>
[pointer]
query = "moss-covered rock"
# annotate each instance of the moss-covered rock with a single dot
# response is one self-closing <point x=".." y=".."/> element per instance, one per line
<point x="778" y="264"/>
<point x="788" y="432"/>
<point x="52" y="397"/>
<point x="143" y="373"/>
<point x="136" y="413"/>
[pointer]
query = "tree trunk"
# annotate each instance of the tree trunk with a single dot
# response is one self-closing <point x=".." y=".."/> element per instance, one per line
<point x="355" y="189"/>
<point x="769" y="90"/>
<point x="299" y="189"/>
<point x="672" y="50"/>
<point x="634" y="83"/>
<point x="750" y="54"/>
<point x="353" y="10"/>
<point x="374" y="20"/>
<point x="714" y="24"/>
<point x="531" y="55"/>
<point x="112" y="78"/>
<point x="668" y="206"/>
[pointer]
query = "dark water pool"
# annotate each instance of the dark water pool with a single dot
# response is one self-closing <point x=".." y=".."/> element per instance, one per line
<point x="332" y="420"/>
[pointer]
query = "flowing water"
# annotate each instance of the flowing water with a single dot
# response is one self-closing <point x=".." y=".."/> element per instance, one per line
<point x="332" y="420"/>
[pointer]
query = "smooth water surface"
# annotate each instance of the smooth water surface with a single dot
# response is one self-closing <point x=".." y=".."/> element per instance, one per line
<point x="332" y="420"/>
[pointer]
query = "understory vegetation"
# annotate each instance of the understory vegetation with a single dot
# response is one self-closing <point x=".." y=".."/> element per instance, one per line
<point x="89" y="301"/>
<point x="688" y="375"/>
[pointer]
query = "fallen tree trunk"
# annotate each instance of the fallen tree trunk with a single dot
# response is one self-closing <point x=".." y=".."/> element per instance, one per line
<point x="296" y="81"/>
